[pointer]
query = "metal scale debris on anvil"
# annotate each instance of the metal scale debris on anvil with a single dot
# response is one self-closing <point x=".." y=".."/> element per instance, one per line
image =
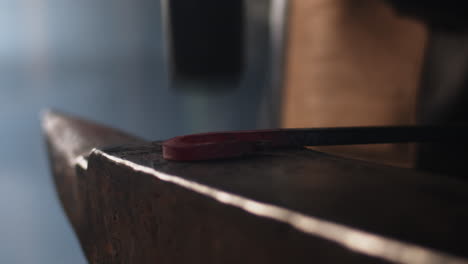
<point x="128" y="204"/>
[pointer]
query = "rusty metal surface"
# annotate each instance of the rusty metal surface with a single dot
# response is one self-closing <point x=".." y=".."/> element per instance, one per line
<point x="295" y="206"/>
<point x="69" y="140"/>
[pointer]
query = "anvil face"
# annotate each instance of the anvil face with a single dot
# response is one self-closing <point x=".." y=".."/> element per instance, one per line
<point x="128" y="204"/>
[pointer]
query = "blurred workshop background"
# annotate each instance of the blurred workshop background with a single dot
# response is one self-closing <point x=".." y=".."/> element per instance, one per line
<point x="106" y="61"/>
<point x="159" y="72"/>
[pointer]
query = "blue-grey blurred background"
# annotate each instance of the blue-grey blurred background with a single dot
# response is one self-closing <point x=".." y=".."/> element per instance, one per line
<point x="103" y="60"/>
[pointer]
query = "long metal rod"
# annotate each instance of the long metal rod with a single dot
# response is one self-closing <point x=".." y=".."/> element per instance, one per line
<point x="239" y="143"/>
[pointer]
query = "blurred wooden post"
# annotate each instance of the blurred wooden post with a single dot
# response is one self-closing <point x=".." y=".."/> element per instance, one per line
<point x="352" y="63"/>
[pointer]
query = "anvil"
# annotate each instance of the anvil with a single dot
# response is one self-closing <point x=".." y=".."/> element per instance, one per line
<point x="128" y="204"/>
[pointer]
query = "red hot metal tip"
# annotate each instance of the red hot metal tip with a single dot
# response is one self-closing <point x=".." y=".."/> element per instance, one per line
<point x="220" y="145"/>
